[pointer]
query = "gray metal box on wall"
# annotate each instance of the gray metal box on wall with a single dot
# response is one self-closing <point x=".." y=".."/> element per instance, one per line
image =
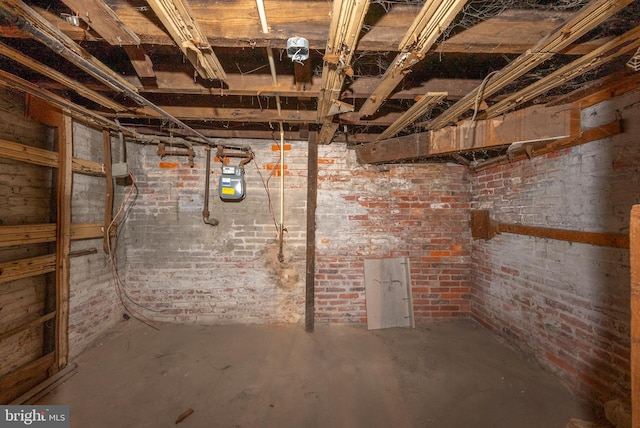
<point x="231" y="185"/>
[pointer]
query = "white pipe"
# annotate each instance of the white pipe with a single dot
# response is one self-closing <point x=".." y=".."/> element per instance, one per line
<point x="263" y="16"/>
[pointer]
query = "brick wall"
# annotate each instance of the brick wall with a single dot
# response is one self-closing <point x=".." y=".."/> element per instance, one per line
<point x="181" y="269"/>
<point x="93" y="303"/>
<point x="566" y="303"/>
<point x="415" y="211"/>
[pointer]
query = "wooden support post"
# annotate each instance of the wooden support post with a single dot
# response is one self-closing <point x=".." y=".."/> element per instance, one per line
<point x="63" y="239"/>
<point x="635" y="315"/>
<point x="108" y="205"/>
<point x="312" y="193"/>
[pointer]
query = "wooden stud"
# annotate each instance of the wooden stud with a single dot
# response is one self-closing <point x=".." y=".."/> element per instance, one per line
<point x="312" y="192"/>
<point x="63" y="240"/>
<point x="635" y="314"/>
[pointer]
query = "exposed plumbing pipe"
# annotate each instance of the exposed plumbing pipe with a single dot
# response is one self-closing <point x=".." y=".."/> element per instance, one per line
<point x="274" y="77"/>
<point x="205" y="211"/>
<point x="76" y="59"/>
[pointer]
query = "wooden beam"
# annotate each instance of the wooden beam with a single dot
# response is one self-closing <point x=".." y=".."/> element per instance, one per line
<point x="179" y="20"/>
<point x="82" y="114"/>
<point x="600" y="90"/>
<point x="536" y="123"/>
<point x="421" y="36"/>
<point x="24" y="378"/>
<point x="587" y="18"/>
<point x="635" y="314"/>
<point x="347" y="17"/>
<point x="531" y="150"/>
<point x="485" y="228"/>
<point x="80" y="231"/>
<point x="628" y="42"/>
<point x="140" y="62"/>
<point x="36" y="156"/>
<point x="25" y="268"/>
<point x="101" y="18"/>
<point x="50" y="35"/>
<point x="60" y="78"/>
<point x="312" y="192"/>
<point x="63" y="239"/>
<point x="396" y="149"/>
<point x="428" y="101"/>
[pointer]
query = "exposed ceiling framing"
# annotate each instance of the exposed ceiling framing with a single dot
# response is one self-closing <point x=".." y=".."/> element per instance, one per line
<point x="378" y="73"/>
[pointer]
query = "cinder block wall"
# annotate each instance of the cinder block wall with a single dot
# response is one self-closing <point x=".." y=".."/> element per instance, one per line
<point x="94" y="306"/>
<point x="415" y="211"/>
<point x="181" y="269"/>
<point x="566" y="303"/>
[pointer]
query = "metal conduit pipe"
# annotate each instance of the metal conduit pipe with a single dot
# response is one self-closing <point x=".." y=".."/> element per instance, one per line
<point x="205" y="211"/>
<point x="101" y="75"/>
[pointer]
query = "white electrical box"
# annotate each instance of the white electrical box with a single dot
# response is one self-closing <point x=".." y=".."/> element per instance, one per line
<point x="298" y="49"/>
<point x="231" y="184"/>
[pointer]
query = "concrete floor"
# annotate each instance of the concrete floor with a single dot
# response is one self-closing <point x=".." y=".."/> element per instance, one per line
<point x="445" y="375"/>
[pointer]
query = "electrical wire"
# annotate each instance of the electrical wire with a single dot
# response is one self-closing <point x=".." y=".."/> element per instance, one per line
<point x="120" y="289"/>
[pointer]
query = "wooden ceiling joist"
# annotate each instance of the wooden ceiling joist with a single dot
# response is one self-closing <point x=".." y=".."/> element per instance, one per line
<point x="39" y="28"/>
<point x="180" y="22"/>
<point x="418" y="109"/>
<point x="100" y="17"/>
<point x="140" y="61"/>
<point x="584" y="20"/>
<point x="78" y="112"/>
<point x="346" y="23"/>
<point x="433" y="18"/>
<point x="628" y="42"/>
<point x="60" y="78"/>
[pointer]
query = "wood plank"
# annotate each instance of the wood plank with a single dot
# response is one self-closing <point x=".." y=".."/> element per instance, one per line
<point x="586" y="18"/>
<point x="181" y="23"/>
<point x="87" y="167"/>
<point x="39" y="233"/>
<point x="616" y="240"/>
<point x="17" y="11"/>
<point x="67" y="82"/>
<point x="635" y="314"/>
<point x="528" y="151"/>
<point x="27" y="234"/>
<point x="312" y="193"/>
<point x="27" y="325"/>
<point x="63" y="240"/>
<point x="535" y="123"/>
<point x="426" y="102"/>
<point x="24" y="378"/>
<point x="104" y="21"/>
<point x="34" y="395"/>
<point x="626" y="43"/>
<point x="420" y="37"/>
<point x="600" y="90"/>
<point x="32" y="155"/>
<point x="395" y="149"/>
<point x="25" y="268"/>
<point x="140" y="62"/>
